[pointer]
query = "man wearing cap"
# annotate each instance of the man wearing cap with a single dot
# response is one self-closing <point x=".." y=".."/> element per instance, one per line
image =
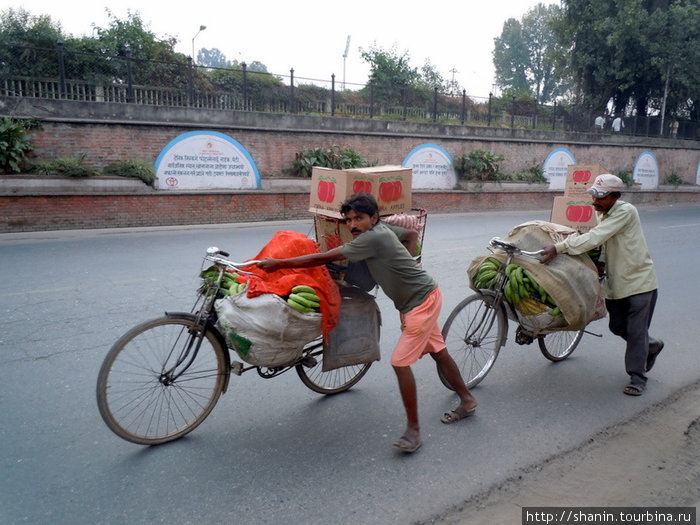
<point x="630" y="286"/>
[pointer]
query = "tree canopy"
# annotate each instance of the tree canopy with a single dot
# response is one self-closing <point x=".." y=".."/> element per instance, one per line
<point x="637" y="53"/>
<point x="389" y="70"/>
<point x="525" y="55"/>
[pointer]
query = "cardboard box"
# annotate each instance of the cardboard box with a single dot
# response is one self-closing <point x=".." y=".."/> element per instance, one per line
<point x="575" y="211"/>
<point x="390" y="185"/>
<point x="579" y="178"/>
<point x="331" y="232"/>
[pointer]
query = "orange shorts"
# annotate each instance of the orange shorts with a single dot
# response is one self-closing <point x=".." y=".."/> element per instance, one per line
<point x="420" y="332"/>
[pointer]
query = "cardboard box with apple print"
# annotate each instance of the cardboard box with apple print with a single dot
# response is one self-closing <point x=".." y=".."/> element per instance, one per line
<point x="331" y="232"/>
<point x="390" y="185"/>
<point x="580" y="177"/>
<point x="575" y="208"/>
<point x="576" y="212"/>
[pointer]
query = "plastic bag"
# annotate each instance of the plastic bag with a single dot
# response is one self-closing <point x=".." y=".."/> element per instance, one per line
<point x="264" y="330"/>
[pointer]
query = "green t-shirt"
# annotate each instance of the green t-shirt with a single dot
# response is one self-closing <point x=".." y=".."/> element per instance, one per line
<point x="391" y="266"/>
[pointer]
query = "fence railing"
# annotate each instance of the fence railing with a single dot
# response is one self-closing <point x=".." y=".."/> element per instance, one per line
<point x="73" y="75"/>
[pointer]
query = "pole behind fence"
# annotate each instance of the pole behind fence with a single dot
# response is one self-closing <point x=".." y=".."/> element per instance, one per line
<point x="489" y="119"/>
<point x="190" y="81"/>
<point x="333" y="95"/>
<point x="129" y="78"/>
<point x="61" y="70"/>
<point x="435" y="100"/>
<point x="291" y="91"/>
<point x="245" y="86"/>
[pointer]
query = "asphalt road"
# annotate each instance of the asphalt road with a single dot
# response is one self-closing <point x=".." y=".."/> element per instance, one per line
<point x="272" y="451"/>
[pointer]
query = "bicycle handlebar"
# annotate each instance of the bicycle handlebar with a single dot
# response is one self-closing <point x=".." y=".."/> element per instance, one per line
<point x="219" y="257"/>
<point x="512" y="248"/>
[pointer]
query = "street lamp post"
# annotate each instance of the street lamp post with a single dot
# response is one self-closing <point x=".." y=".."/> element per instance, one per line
<point x="201" y="28"/>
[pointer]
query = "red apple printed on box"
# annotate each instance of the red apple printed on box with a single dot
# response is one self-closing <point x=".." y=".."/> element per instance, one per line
<point x="390" y="188"/>
<point x="579" y="211"/>
<point x="326" y="190"/>
<point x="362" y="186"/>
<point x="582" y="175"/>
<point x="332" y="241"/>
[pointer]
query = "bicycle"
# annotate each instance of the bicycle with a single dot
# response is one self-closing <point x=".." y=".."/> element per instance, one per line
<point x="163" y="377"/>
<point x="477" y="327"/>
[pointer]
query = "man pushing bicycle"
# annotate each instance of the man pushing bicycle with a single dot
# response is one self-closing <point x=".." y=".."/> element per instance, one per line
<point x="387" y="252"/>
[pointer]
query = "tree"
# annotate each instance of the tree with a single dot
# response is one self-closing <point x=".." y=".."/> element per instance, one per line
<point x="525" y="55"/>
<point x="629" y="51"/>
<point x="212" y="58"/>
<point x="25" y="40"/>
<point x="395" y="81"/>
<point x="510" y="58"/>
<point x="158" y="63"/>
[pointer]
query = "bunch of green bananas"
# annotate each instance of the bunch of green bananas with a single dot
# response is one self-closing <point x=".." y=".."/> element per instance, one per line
<point x="304" y="299"/>
<point x="487" y="274"/>
<point x="229" y="284"/>
<point x="526" y="294"/>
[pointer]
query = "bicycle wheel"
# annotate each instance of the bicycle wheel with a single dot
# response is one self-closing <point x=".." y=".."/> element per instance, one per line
<point x="557" y="346"/>
<point x="474" y="333"/>
<point x="152" y="388"/>
<point x="333" y="381"/>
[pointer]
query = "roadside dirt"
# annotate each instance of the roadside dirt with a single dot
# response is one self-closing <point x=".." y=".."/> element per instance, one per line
<point x="652" y="460"/>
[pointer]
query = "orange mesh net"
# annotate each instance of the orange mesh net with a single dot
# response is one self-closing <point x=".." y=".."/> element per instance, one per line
<point x="285" y="244"/>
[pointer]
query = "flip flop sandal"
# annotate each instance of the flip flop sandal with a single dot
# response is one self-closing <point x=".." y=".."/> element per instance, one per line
<point x="634" y="390"/>
<point x="456" y="415"/>
<point x="406" y="445"/>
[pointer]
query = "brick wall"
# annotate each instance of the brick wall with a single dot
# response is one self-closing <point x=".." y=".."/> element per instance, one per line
<point x="274" y="150"/>
<point x="107" y="133"/>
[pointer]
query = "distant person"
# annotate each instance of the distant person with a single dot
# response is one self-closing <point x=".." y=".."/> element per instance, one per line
<point x="618" y="124"/>
<point x="387" y="250"/>
<point x="630" y="285"/>
<point x="600" y="123"/>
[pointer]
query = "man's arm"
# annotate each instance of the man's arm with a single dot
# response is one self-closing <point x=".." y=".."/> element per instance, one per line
<point x="410" y="240"/>
<point x="302" y="261"/>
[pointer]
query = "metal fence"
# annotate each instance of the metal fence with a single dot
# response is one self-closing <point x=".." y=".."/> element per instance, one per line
<point x="62" y="73"/>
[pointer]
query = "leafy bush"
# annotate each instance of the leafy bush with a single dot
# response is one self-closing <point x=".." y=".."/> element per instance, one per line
<point x="70" y="167"/>
<point x="478" y="165"/>
<point x="674" y="179"/>
<point x="333" y="157"/>
<point x="137" y="168"/>
<point x="14" y="144"/>
<point x="626" y="177"/>
<point x="532" y="175"/>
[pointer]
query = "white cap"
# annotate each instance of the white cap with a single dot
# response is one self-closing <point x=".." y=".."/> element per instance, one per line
<point x="605" y="184"/>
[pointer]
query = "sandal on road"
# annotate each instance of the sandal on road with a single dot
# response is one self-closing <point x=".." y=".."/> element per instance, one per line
<point x="634" y="390"/>
<point x="408" y="444"/>
<point x="457" y="414"/>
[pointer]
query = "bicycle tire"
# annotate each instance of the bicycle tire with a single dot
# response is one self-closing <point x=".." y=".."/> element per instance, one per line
<point x="331" y="382"/>
<point x="557" y="346"/>
<point x="474" y="333"/>
<point x="135" y="397"/>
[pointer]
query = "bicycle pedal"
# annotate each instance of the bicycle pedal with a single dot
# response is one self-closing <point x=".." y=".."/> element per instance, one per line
<point x="236" y="368"/>
<point x="309" y="361"/>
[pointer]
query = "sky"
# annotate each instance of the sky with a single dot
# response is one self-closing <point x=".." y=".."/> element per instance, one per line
<point x="311" y="36"/>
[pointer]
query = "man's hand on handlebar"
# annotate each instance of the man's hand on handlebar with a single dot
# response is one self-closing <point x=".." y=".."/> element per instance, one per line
<point x="268" y="264"/>
<point x="548" y="254"/>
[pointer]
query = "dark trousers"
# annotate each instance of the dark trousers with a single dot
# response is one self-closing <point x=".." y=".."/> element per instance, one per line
<point x="630" y="318"/>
